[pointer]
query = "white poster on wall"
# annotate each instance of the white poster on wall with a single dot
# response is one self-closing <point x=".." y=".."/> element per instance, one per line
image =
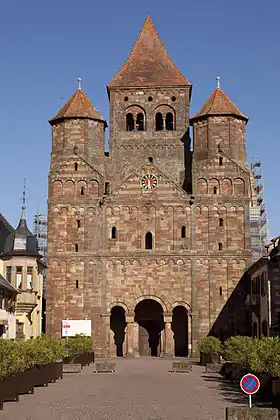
<point x="71" y="327"/>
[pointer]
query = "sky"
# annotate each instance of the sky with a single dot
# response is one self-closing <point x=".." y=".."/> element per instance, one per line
<point x="46" y="46"/>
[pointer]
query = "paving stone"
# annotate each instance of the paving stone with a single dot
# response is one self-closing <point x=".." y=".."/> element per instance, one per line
<point x="141" y="388"/>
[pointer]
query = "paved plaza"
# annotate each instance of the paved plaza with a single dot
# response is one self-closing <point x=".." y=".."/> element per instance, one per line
<point x="140" y="388"/>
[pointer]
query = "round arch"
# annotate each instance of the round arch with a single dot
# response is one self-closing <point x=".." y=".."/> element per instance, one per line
<point x="184" y="304"/>
<point x="116" y="303"/>
<point x="151" y="297"/>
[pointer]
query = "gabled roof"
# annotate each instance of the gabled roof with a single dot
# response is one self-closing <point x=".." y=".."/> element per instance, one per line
<point x="148" y="63"/>
<point x="78" y="106"/>
<point x="218" y="103"/>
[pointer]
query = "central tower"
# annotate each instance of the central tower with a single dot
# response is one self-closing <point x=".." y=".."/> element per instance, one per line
<point x="149" y="111"/>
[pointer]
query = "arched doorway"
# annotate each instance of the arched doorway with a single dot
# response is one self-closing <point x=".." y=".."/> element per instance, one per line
<point x="117" y="325"/>
<point x="149" y="316"/>
<point x="179" y="327"/>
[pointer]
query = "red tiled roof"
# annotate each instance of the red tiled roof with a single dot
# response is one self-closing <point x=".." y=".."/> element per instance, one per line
<point x="148" y="63"/>
<point x="218" y="103"/>
<point x="78" y="106"/>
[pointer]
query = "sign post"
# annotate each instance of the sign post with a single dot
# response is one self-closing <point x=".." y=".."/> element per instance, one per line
<point x="250" y="384"/>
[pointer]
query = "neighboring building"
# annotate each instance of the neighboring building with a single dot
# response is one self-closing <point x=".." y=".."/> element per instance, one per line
<point x="149" y="240"/>
<point x="258" y="217"/>
<point x="8" y="295"/>
<point x="262" y="284"/>
<point x="22" y="269"/>
<point x="40" y="230"/>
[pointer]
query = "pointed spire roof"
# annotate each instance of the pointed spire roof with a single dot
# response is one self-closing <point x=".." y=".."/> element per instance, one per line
<point x="21" y="241"/>
<point x="148" y="63"/>
<point x="78" y="106"/>
<point x="218" y="103"/>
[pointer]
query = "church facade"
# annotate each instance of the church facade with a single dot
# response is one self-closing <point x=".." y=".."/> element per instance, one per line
<point x="150" y="239"/>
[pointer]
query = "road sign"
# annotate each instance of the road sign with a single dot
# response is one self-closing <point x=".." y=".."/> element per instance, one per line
<point x="250" y="384"/>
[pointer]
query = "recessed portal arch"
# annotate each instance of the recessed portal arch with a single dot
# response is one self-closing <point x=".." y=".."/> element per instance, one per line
<point x="118" y="325"/>
<point x="179" y="326"/>
<point x="149" y="316"/>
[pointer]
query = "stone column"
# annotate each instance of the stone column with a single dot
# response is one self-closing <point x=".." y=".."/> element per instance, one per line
<point x="129" y="336"/>
<point x="113" y="349"/>
<point x="162" y="343"/>
<point x="136" y="339"/>
<point x="107" y="335"/>
<point x="169" y="339"/>
<point x="189" y="335"/>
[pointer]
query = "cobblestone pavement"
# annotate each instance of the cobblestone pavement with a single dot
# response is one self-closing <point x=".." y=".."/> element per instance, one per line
<point x="139" y="389"/>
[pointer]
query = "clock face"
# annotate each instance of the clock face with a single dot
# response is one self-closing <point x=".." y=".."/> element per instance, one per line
<point x="149" y="182"/>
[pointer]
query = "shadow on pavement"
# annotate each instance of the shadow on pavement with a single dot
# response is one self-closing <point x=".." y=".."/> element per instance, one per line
<point x="231" y="391"/>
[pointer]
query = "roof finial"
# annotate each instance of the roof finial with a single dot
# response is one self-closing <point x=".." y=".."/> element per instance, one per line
<point x="218" y="81"/>
<point x="79" y="83"/>
<point x="24" y="195"/>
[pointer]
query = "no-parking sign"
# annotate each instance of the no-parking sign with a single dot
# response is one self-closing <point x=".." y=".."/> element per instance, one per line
<point x="250" y="384"/>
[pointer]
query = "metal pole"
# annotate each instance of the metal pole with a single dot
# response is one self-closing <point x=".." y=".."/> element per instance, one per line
<point x="250" y="400"/>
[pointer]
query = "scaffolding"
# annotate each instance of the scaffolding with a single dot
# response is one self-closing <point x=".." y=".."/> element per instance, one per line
<point x="258" y="217"/>
<point x="40" y="230"/>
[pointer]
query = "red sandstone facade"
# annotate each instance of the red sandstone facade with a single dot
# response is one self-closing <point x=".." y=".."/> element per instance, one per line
<point x="149" y="240"/>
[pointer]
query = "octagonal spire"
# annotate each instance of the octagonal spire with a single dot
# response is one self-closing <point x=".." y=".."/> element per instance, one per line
<point x="148" y="63"/>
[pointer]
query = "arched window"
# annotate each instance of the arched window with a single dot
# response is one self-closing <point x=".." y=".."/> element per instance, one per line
<point x="150" y="159"/>
<point x="220" y="161"/>
<point x="78" y="224"/>
<point x="183" y="231"/>
<point x="114" y="233"/>
<point x="221" y="222"/>
<point x="215" y="190"/>
<point x="149" y="240"/>
<point x="77" y="284"/>
<point x="169" y="123"/>
<point x="140" y="122"/>
<point x="220" y="246"/>
<point x="76" y="166"/>
<point x="159" y="121"/>
<point x="129" y="122"/>
<point x="82" y="190"/>
<point x="107" y="188"/>
<point x="221" y="291"/>
<point x="76" y="248"/>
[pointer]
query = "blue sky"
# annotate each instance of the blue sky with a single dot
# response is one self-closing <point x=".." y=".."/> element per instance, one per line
<point x="45" y="46"/>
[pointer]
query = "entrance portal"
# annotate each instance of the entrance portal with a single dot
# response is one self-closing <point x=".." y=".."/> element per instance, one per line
<point x="180" y="329"/>
<point x="117" y="325"/>
<point x="149" y="316"/>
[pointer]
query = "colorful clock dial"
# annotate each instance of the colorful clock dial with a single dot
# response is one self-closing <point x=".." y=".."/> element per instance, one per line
<point x="149" y="182"/>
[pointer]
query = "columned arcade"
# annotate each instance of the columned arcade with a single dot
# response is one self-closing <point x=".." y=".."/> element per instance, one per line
<point x="150" y="331"/>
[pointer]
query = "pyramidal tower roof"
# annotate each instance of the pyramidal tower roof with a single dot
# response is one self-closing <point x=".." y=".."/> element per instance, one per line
<point x="78" y="106"/>
<point x="148" y="63"/>
<point x="218" y="103"/>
